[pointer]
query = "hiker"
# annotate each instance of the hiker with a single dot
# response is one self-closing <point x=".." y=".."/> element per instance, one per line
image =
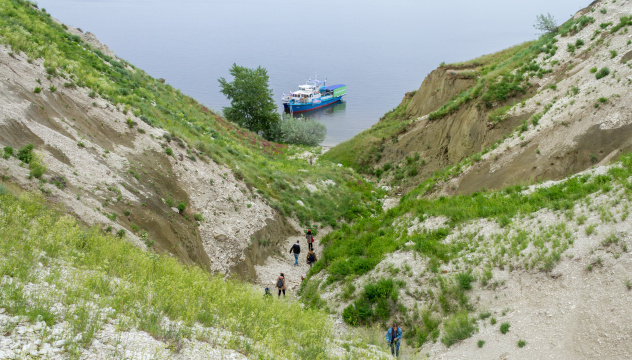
<point x="310" y="239"/>
<point x="393" y="337"/>
<point x="281" y="284"/>
<point x="311" y="258"/>
<point x="268" y="294"/>
<point x="296" y="249"/>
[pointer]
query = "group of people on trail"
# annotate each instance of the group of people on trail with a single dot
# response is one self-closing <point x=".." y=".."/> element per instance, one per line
<point x="296" y="250"/>
<point x="311" y="255"/>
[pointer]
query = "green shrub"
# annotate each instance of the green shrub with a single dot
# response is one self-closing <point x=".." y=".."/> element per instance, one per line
<point x="458" y="327"/>
<point x="37" y="90"/>
<point x="120" y="233"/>
<point x="169" y="151"/>
<point x="37" y="167"/>
<point x="579" y="43"/>
<point x="504" y="327"/>
<point x="521" y="343"/>
<point x="593" y="70"/>
<point x="613" y="54"/>
<point x="52" y="88"/>
<point x="465" y="280"/>
<point x="25" y="154"/>
<point x="301" y="131"/>
<point x="480" y="343"/>
<point x="603" y="72"/>
<point x="198" y="217"/>
<point x="181" y="206"/>
<point x="8" y="152"/>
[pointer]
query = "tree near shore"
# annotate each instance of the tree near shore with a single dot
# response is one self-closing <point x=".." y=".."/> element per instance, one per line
<point x="251" y="104"/>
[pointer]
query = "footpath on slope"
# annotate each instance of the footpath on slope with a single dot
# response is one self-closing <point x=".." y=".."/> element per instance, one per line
<point x="283" y="262"/>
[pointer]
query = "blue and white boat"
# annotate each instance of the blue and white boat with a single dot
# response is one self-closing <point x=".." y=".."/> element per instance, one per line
<point x="313" y="95"/>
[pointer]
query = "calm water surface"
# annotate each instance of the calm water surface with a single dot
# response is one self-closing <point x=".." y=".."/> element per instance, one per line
<point x="380" y="49"/>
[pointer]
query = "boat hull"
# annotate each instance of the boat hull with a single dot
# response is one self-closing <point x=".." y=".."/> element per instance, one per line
<point x="301" y="108"/>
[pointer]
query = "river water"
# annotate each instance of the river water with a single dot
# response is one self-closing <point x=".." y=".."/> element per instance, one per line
<point x="379" y="49"/>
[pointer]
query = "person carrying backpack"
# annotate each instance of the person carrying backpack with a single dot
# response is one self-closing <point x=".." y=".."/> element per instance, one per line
<point x="311" y="258"/>
<point x="281" y="284"/>
<point x="296" y="249"/>
<point x="310" y="239"/>
<point x="393" y="338"/>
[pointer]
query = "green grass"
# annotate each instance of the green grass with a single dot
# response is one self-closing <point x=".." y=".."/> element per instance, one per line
<point x="361" y="151"/>
<point x="155" y="286"/>
<point x="603" y="72"/>
<point x="521" y="343"/>
<point x="458" y="327"/>
<point x="504" y="327"/>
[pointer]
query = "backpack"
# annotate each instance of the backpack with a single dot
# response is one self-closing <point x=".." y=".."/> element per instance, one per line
<point x="311" y="258"/>
<point x="280" y="283"/>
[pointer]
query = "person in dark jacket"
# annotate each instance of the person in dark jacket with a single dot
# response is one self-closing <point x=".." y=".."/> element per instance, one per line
<point x="394" y="337"/>
<point x="296" y="249"/>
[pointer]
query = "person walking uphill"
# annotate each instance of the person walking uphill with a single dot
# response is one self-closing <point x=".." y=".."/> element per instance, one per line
<point x="281" y="284"/>
<point x="310" y="239"/>
<point x="296" y="249"/>
<point x="394" y="337"/>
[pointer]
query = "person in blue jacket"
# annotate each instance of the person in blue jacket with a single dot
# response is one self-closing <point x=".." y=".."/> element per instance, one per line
<point x="394" y="337"/>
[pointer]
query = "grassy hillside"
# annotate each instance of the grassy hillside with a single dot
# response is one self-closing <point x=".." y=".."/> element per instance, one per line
<point x="264" y="166"/>
<point x="90" y="279"/>
<point x="499" y="81"/>
<point x="452" y="266"/>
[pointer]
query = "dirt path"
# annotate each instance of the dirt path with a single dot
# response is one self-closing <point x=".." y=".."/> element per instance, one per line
<point x="283" y="262"/>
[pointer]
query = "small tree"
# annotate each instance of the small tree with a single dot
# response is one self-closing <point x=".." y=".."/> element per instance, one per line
<point x="545" y="23"/>
<point x="251" y="104"/>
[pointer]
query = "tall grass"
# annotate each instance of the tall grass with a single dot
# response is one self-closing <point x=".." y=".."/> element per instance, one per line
<point x="142" y="286"/>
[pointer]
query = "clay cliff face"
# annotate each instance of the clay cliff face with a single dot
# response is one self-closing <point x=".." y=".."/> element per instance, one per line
<point x="580" y="120"/>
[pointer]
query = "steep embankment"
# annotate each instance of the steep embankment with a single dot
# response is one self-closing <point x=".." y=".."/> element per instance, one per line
<point x="135" y="156"/>
<point x="567" y="119"/>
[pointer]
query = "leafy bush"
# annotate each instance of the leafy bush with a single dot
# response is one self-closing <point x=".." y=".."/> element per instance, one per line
<point x="521" y="343"/>
<point x="374" y="304"/>
<point x="603" y="72"/>
<point x="198" y="217"/>
<point x="181" y="206"/>
<point x="302" y="131"/>
<point x="169" y="151"/>
<point x="25" y="154"/>
<point x="37" y="90"/>
<point x="8" y="152"/>
<point x="458" y="327"/>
